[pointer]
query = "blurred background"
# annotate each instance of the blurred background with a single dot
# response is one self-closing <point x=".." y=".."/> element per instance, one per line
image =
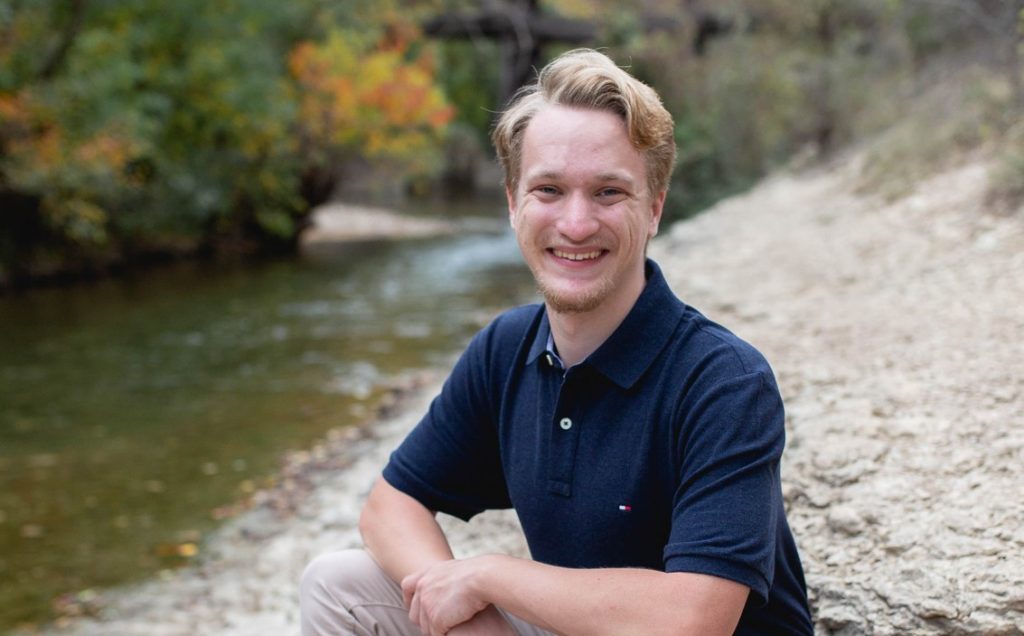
<point x="164" y="335"/>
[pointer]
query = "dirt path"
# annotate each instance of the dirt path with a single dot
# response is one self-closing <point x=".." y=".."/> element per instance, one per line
<point x="895" y="330"/>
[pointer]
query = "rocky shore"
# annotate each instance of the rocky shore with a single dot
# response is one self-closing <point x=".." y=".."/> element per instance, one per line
<point x="895" y="329"/>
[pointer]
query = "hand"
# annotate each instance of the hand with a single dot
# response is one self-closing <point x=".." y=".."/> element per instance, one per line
<point x="441" y="596"/>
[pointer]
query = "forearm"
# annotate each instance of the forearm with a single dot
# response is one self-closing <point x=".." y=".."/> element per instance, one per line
<point x="400" y="533"/>
<point x="404" y="538"/>
<point x="610" y="601"/>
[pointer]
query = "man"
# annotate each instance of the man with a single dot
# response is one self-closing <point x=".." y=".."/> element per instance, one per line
<point x="638" y="442"/>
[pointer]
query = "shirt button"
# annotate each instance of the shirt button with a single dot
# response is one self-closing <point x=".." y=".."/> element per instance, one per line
<point x="566" y="423"/>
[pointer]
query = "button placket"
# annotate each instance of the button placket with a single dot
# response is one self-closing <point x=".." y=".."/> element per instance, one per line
<point x="565" y="433"/>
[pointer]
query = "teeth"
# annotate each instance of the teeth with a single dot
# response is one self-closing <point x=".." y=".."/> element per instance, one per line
<point x="577" y="257"/>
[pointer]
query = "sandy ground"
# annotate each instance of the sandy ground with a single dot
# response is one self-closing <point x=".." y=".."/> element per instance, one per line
<point x="334" y="222"/>
<point x="895" y="329"/>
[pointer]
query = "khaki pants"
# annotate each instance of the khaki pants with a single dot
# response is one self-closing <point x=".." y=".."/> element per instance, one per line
<point x="346" y="593"/>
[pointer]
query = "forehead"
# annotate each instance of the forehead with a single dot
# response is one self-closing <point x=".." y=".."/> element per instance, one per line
<point x="572" y="141"/>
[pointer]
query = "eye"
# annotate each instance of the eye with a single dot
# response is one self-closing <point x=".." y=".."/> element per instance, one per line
<point x="546" y="190"/>
<point x="611" y="195"/>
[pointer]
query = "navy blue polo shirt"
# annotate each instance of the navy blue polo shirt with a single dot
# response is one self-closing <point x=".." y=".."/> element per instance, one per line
<point x="660" y="450"/>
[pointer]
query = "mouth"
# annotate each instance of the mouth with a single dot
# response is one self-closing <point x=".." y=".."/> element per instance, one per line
<point x="577" y="256"/>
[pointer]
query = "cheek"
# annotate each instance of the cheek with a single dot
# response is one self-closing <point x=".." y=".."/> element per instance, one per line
<point x="519" y="225"/>
<point x="638" y="232"/>
<point x="529" y="224"/>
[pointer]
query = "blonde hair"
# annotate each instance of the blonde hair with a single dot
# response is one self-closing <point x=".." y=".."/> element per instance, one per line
<point x="584" y="78"/>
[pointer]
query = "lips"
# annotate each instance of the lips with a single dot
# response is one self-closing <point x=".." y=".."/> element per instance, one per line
<point x="577" y="256"/>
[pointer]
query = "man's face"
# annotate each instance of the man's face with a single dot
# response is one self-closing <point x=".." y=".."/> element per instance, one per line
<point x="582" y="213"/>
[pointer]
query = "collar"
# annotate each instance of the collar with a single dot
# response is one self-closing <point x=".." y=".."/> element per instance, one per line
<point x="634" y="344"/>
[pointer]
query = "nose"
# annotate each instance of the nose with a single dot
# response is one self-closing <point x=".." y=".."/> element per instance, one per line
<point x="577" y="221"/>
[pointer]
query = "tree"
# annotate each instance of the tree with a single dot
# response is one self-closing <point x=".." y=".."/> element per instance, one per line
<point x="152" y="126"/>
<point x="374" y="96"/>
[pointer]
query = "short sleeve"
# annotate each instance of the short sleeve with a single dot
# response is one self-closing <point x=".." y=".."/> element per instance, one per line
<point x="728" y="503"/>
<point x="450" y="461"/>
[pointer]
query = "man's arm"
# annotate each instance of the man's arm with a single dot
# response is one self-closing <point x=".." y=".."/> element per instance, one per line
<point x="404" y="537"/>
<point x="577" y="601"/>
<point x="400" y="533"/>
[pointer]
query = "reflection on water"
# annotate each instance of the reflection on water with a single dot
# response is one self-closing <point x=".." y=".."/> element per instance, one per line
<point x="129" y="410"/>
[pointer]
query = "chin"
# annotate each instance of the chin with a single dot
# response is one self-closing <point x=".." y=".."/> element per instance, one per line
<point x="575" y="301"/>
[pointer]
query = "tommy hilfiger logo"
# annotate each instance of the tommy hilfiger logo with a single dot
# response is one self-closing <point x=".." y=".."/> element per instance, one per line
<point x="625" y="507"/>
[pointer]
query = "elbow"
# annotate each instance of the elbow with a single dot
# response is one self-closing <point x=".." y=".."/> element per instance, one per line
<point x="365" y="524"/>
<point x="370" y="517"/>
<point x="387" y="509"/>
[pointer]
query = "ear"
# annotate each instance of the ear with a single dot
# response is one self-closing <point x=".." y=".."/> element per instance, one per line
<point x="657" y="207"/>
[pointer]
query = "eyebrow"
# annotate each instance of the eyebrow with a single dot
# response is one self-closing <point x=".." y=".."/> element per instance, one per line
<point x="604" y="176"/>
<point x="614" y="176"/>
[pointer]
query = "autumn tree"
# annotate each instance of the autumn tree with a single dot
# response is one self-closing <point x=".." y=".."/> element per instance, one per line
<point x="372" y="96"/>
<point x="150" y="126"/>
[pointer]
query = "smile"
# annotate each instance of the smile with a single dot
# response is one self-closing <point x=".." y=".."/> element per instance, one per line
<point x="584" y="256"/>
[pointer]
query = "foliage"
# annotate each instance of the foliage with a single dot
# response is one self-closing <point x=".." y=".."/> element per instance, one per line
<point x="378" y="100"/>
<point x="1008" y="181"/>
<point x="152" y="123"/>
<point x="128" y="125"/>
<point x="470" y="79"/>
<point x="775" y="80"/>
<point x="968" y="110"/>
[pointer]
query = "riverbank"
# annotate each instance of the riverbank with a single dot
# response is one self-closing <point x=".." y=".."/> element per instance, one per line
<point x="326" y="226"/>
<point x="342" y="222"/>
<point x="894" y="329"/>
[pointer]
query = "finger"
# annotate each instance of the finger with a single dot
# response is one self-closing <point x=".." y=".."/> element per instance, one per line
<point x="426" y="620"/>
<point x="425" y="624"/>
<point x="409" y="588"/>
<point x="414" y="611"/>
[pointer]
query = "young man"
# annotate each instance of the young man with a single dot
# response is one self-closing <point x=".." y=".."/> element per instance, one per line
<point x="638" y="442"/>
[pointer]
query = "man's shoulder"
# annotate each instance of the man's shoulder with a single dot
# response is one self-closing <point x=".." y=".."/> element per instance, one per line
<point x="517" y="318"/>
<point x="507" y="332"/>
<point x="699" y="337"/>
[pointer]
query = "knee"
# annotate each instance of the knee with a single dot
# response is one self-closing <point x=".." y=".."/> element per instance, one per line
<point x="336" y="571"/>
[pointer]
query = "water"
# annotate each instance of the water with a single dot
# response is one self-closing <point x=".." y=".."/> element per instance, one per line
<point x="131" y="410"/>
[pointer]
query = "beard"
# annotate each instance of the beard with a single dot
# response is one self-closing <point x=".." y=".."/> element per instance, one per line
<point x="578" y="302"/>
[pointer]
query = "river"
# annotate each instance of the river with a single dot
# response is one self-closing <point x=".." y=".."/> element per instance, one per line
<point x="131" y="410"/>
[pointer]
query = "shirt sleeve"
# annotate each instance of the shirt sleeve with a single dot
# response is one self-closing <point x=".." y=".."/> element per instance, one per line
<point x="728" y="504"/>
<point x="450" y="461"/>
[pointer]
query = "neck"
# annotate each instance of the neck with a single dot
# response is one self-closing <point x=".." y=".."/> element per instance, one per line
<point x="579" y="334"/>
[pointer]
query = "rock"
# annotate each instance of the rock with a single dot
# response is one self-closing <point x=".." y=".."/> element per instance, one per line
<point x="845" y="520"/>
